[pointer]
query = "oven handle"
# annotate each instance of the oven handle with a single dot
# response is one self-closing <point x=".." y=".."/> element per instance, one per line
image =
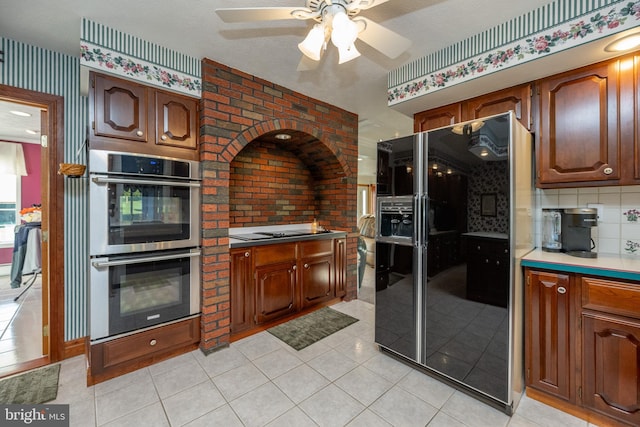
<point x="102" y="264"/>
<point x="105" y="180"/>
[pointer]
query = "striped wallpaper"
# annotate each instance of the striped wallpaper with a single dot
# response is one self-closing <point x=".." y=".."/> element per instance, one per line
<point x="513" y="40"/>
<point x="114" y="52"/>
<point x="33" y="68"/>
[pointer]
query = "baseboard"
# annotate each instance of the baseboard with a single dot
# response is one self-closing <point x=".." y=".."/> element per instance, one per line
<point x="74" y="348"/>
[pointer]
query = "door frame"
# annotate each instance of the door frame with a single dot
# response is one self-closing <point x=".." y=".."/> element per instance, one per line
<point x="52" y="217"/>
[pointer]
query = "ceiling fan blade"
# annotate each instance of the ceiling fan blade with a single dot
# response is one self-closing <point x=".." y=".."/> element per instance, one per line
<point x="307" y="64"/>
<point x="264" y="14"/>
<point x="364" y="4"/>
<point x="382" y="39"/>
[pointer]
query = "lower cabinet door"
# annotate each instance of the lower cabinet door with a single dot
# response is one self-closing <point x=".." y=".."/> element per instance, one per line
<point x="611" y="366"/>
<point x="548" y="333"/>
<point x="275" y="290"/>
<point x="316" y="280"/>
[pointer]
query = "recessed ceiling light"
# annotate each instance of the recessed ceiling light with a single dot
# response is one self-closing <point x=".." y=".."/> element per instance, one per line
<point x="20" y="113"/>
<point x="31" y="132"/>
<point x="625" y="43"/>
<point x="283" y="136"/>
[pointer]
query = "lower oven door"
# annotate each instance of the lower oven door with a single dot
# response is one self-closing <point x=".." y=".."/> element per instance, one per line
<point x="129" y="293"/>
<point x="135" y="215"/>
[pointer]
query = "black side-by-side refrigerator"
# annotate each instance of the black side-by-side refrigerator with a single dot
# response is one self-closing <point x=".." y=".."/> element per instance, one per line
<point x="454" y="217"/>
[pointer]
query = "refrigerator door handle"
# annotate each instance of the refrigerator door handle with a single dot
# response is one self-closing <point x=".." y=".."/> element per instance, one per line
<point x="417" y="223"/>
<point x="424" y="218"/>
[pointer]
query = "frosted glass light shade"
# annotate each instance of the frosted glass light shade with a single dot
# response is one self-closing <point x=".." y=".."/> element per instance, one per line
<point x="346" y="54"/>
<point x="311" y="46"/>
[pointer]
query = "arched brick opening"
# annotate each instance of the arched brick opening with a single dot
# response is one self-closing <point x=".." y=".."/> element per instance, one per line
<point x="236" y="109"/>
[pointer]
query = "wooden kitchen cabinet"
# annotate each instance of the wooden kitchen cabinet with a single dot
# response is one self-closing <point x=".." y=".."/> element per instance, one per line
<point x="549" y="364"/>
<point x="131" y="117"/>
<point x="276" y="291"/>
<point x="582" y="345"/>
<point x="578" y="139"/>
<point x="516" y="99"/>
<point x="437" y="117"/>
<point x="316" y="273"/>
<point x="340" y="264"/>
<point x="269" y="282"/>
<point x="611" y="348"/>
<point x="242" y="293"/>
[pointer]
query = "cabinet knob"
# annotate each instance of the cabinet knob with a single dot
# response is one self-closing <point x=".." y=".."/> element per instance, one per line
<point x="608" y="171"/>
<point x="246" y="254"/>
<point x="486" y="261"/>
<point x="163" y="137"/>
<point x="139" y="133"/>
<point x="294" y="267"/>
<point x="478" y="247"/>
<point x="306" y="266"/>
<point x="562" y="290"/>
<point x="153" y="342"/>
<point x="497" y="262"/>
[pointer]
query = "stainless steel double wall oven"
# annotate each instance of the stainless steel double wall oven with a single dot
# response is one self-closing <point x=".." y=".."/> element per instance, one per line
<point x="144" y="241"/>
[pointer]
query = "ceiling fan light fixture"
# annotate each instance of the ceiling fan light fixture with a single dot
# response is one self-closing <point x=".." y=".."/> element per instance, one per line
<point x="344" y="31"/>
<point x="311" y="46"/>
<point x="346" y="54"/>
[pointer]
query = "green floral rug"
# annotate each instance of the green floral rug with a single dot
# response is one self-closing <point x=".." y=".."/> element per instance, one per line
<point x="31" y="387"/>
<point x="304" y="331"/>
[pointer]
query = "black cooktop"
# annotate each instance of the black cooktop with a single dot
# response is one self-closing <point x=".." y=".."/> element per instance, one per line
<point x="263" y="235"/>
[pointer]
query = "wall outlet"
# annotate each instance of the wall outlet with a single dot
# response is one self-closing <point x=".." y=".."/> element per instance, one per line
<point x="599" y="207"/>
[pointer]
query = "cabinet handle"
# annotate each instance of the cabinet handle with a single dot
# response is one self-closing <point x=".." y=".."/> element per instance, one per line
<point x="562" y="290"/>
<point x="608" y="171"/>
<point x="139" y="133"/>
<point x="163" y="137"/>
<point x="153" y="342"/>
<point x="306" y="266"/>
<point x="246" y="254"/>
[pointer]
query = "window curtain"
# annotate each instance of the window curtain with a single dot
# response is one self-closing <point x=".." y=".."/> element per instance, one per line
<point x="12" y="159"/>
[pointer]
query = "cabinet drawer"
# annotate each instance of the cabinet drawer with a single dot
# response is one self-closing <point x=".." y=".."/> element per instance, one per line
<point x="271" y="254"/>
<point x="621" y="298"/>
<point x="149" y="342"/>
<point x="316" y="247"/>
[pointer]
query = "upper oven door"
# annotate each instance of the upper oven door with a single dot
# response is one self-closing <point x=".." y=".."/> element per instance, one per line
<point x="137" y="215"/>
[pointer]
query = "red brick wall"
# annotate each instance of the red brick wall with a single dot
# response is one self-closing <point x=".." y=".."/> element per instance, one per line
<point x="269" y="185"/>
<point x="236" y="110"/>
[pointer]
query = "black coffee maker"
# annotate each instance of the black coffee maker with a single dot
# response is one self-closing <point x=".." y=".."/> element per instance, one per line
<point x="576" y="231"/>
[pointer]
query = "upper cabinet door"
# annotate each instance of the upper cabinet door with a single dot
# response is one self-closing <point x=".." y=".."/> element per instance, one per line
<point x="120" y="109"/>
<point x="516" y="99"/>
<point x="176" y="120"/>
<point x="437" y="118"/>
<point x="578" y="137"/>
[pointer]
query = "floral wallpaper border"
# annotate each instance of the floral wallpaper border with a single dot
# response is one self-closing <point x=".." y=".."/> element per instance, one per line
<point x="588" y="28"/>
<point x="113" y="62"/>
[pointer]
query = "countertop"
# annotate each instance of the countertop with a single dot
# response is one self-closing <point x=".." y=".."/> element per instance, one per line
<point x="606" y="265"/>
<point x="237" y="243"/>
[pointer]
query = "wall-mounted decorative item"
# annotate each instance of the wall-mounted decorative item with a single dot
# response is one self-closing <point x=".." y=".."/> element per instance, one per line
<point x="72" y="170"/>
<point x="488" y="204"/>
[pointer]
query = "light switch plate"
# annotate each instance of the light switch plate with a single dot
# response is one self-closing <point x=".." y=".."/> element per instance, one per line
<point x="599" y="207"/>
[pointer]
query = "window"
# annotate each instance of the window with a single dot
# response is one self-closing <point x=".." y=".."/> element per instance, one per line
<point x="9" y="208"/>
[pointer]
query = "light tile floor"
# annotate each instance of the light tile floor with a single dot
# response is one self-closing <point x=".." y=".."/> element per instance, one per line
<point x="342" y="380"/>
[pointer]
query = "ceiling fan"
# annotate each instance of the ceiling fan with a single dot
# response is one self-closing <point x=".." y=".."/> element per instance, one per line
<point x="335" y="20"/>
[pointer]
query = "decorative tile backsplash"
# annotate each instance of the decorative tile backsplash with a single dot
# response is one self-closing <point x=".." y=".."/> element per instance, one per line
<point x="618" y="231"/>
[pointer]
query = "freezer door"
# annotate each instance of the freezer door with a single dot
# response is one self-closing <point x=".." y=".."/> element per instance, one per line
<point x="395" y="175"/>
<point x="397" y="296"/>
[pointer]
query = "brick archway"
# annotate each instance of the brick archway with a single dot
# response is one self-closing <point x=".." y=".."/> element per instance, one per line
<point x="237" y="108"/>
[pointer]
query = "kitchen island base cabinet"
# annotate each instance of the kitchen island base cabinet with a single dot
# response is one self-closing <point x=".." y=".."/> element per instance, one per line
<point x="277" y="281"/>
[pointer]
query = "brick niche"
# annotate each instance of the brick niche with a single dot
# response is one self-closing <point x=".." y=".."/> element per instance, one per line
<point x="251" y="178"/>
